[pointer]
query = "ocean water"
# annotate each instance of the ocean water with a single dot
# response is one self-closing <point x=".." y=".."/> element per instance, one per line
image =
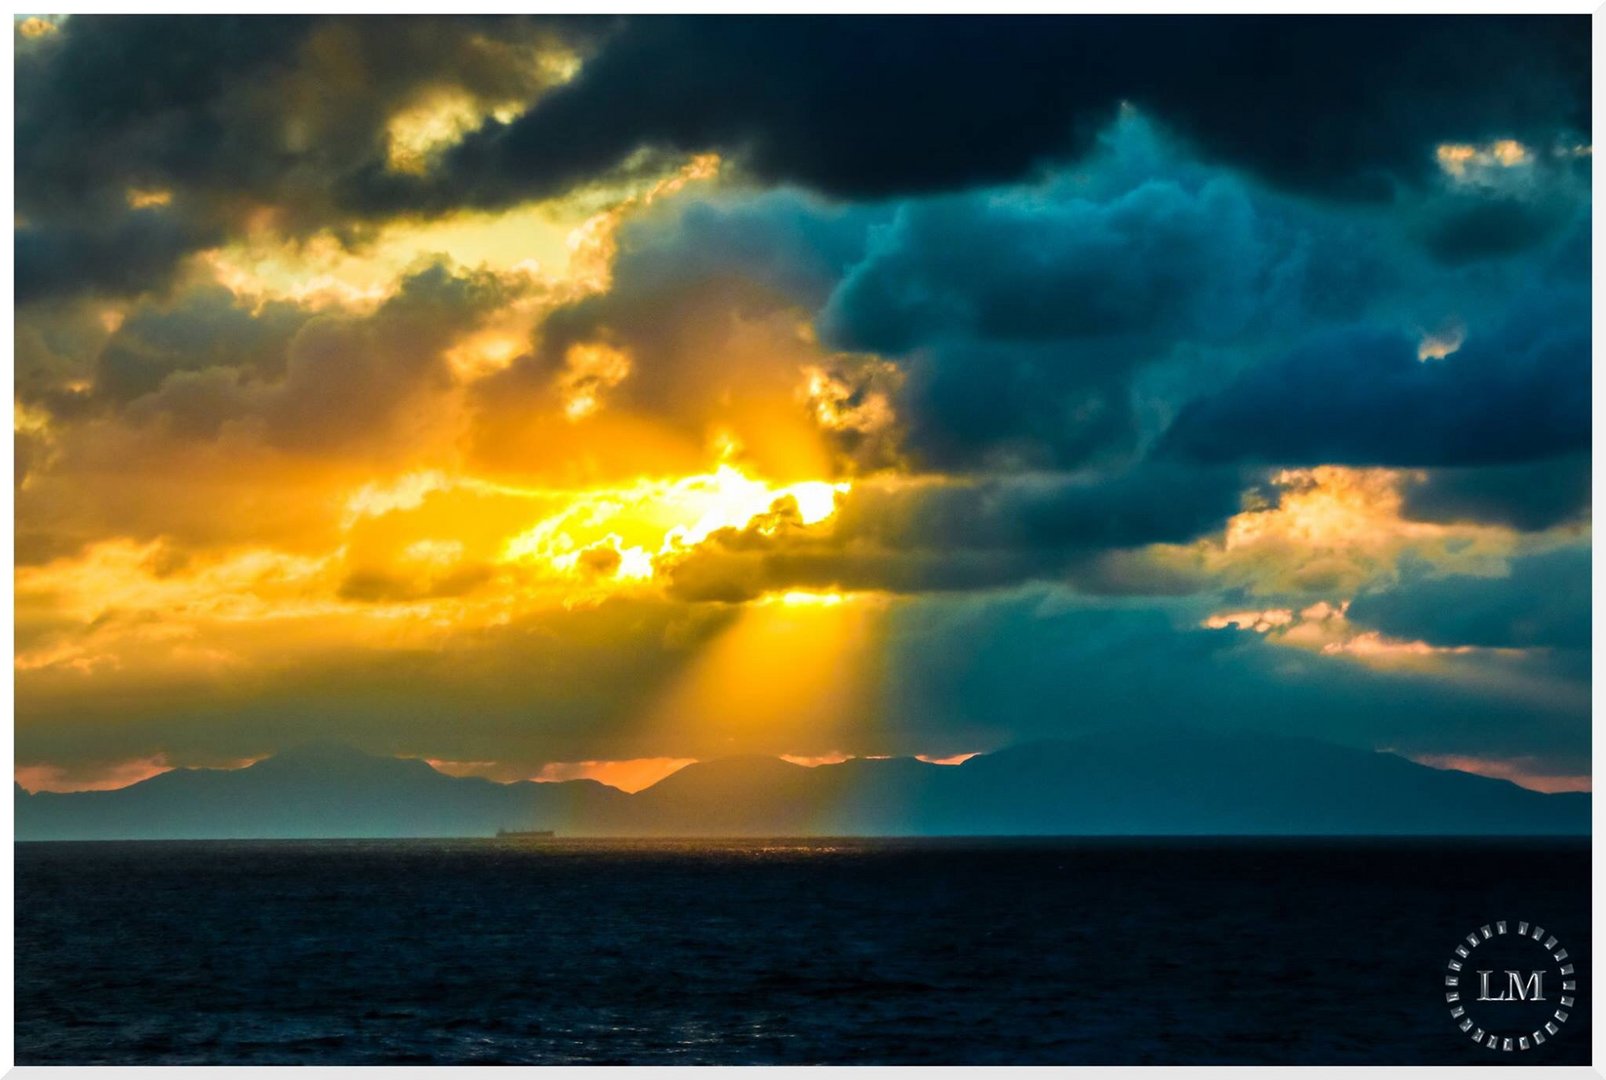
<point x="787" y="951"/>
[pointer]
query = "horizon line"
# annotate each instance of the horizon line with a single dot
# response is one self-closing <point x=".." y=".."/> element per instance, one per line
<point x="1494" y="769"/>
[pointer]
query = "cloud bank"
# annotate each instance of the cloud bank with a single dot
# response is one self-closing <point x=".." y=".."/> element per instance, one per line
<point x="524" y="391"/>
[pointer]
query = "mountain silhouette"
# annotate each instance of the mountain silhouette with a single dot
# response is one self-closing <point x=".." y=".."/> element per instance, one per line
<point x="312" y="791"/>
<point x="1170" y="783"/>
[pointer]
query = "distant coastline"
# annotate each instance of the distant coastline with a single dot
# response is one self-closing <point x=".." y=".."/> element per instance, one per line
<point x="1174" y="784"/>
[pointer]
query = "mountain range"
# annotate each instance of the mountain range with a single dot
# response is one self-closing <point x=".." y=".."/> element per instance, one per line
<point x="1175" y="783"/>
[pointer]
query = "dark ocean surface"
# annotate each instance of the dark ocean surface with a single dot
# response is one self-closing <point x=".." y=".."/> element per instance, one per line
<point x="787" y="951"/>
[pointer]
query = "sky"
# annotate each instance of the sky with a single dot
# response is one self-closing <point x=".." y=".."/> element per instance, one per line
<point x="584" y="397"/>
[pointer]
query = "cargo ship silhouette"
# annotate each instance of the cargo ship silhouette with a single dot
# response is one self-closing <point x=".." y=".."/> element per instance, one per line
<point x="524" y="834"/>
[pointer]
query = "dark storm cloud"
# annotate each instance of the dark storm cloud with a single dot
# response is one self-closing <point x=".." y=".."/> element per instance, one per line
<point x="959" y="536"/>
<point x="1016" y="316"/>
<point x="1030" y="269"/>
<point x="1468" y="228"/>
<point x="1021" y="315"/>
<point x="226" y="114"/>
<point x="1064" y="323"/>
<point x="105" y="85"/>
<point x="1544" y="601"/>
<point x="880" y="106"/>
<point x="109" y="102"/>
<point x="230" y="111"/>
<point x="127" y="253"/>
<point x="1531" y="496"/>
<point x="1147" y="504"/>
<point x="112" y="101"/>
<point x="1023" y="318"/>
<point x="1516" y="392"/>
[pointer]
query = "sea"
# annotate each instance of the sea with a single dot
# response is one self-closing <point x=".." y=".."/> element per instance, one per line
<point x="851" y="951"/>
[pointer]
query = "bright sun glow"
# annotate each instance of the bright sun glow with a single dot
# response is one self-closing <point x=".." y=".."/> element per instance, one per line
<point x="797" y="598"/>
<point x="620" y="531"/>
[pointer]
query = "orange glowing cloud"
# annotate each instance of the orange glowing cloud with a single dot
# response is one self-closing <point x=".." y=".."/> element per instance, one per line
<point x="811" y="761"/>
<point x="416" y="559"/>
<point x="1259" y="621"/>
<point x="116" y="775"/>
<point x="1520" y="771"/>
<point x="1462" y="160"/>
<point x="1324" y="628"/>
<point x="1334" y="530"/>
<point x="593" y="244"/>
<point x="102" y="777"/>
<point x="951" y="759"/>
<point x="631" y="775"/>
<point x="35" y="27"/>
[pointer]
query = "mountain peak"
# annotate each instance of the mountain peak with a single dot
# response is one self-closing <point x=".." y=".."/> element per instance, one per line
<point x="322" y="750"/>
<point x="335" y="759"/>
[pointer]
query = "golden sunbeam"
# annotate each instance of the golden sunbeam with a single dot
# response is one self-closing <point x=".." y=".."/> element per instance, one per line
<point x="785" y="677"/>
